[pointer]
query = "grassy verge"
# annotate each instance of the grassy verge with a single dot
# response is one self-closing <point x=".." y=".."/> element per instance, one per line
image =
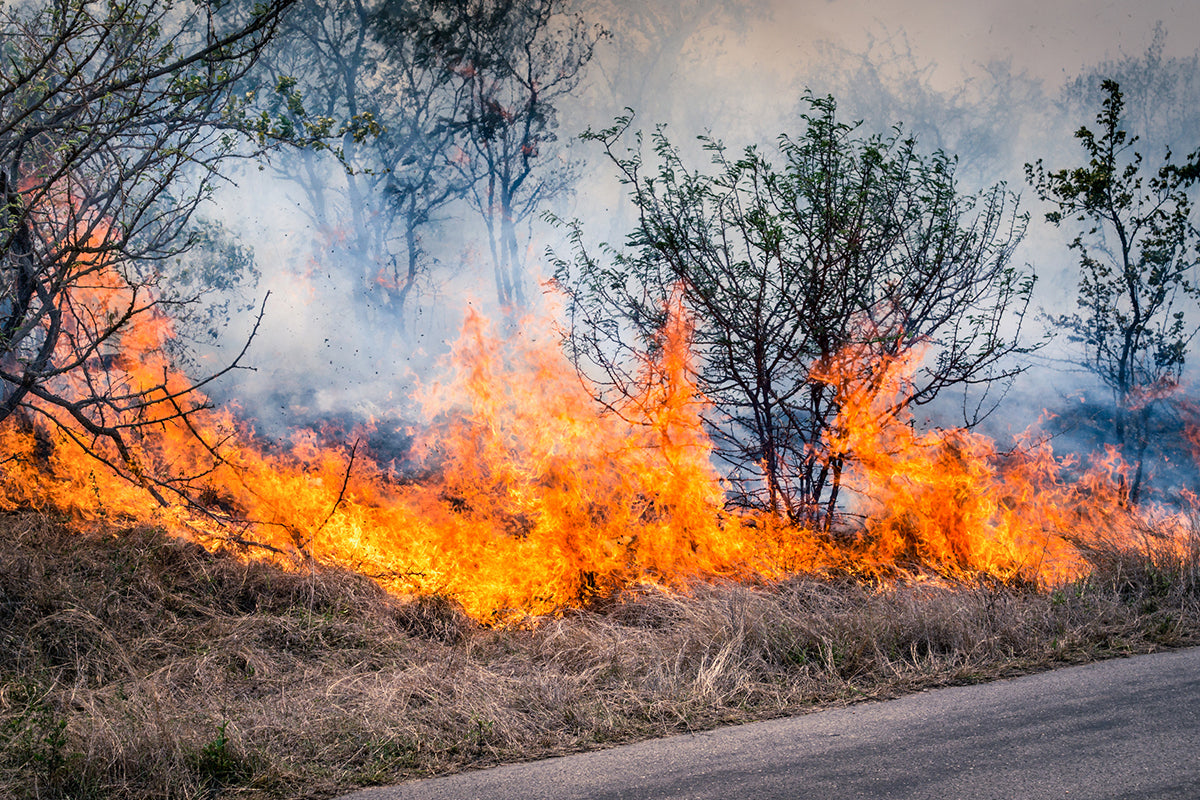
<point x="133" y="665"/>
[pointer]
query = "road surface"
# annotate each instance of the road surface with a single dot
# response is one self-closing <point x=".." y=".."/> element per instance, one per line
<point x="1128" y="728"/>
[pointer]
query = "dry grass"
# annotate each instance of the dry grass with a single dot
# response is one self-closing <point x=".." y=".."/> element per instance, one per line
<point x="133" y="665"/>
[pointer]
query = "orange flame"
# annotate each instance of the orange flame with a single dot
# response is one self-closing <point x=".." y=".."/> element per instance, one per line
<point x="948" y="499"/>
<point x="535" y="498"/>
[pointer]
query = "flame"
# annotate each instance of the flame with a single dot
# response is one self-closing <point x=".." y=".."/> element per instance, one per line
<point x="538" y="499"/>
<point x="948" y="499"/>
<point x="529" y="497"/>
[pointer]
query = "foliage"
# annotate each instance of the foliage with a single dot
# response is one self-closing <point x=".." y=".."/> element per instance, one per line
<point x="209" y="283"/>
<point x="1138" y="248"/>
<point x="424" y="105"/>
<point x="218" y="765"/>
<point x="35" y="740"/>
<point x="1161" y="94"/>
<point x="838" y="242"/>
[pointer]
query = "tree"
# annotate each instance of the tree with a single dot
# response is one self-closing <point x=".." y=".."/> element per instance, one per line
<point x="426" y="103"/>
<point x="115" y="119"/>
<point x="364" y="84"/>
<point x="655" y="43"/>
<point x="848" y="243"/>
<point x="981" y="119"/>
<point x="1138" y="248"/>
<point x="513" y="61"/>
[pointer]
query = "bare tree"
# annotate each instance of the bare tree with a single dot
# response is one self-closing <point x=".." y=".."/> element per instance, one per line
<point x="115" y="119"/>
<point x="514" y="61"/>
<point x="851" y="243"/>
<point x="362" y="84"/>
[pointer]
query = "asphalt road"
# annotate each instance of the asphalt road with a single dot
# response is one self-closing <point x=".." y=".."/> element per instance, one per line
<point x="1128" y="728"/>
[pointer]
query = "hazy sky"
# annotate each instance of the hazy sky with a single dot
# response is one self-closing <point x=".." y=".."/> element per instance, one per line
<point x="742" y="71"/>
<point x="1049" y="38"/>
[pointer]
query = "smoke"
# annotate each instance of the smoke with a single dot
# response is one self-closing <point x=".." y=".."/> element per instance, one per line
<point x="996" y="85"/>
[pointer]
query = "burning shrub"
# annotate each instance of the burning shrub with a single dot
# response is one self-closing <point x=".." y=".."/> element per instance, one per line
<point x="837" y="241"/>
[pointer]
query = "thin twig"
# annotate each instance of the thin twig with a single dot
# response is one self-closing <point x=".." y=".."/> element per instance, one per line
<point x="341" y="495"/>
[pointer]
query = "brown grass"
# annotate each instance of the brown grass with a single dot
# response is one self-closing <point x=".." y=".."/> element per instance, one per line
<point x="133" y="665"/>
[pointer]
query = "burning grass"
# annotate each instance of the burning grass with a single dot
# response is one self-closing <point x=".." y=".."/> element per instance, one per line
<point x="137" y="665"/>
<point x="528" y="498"/>
<point x="206" y="613"/>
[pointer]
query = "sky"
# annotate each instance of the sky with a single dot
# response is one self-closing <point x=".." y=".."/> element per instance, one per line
<point x="1051" y="39"/>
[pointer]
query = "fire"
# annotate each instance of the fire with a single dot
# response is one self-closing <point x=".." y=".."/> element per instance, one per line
<point x="530" y="497"/>
<point x="947" y="499"/>
<point x="539" y="500"/>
